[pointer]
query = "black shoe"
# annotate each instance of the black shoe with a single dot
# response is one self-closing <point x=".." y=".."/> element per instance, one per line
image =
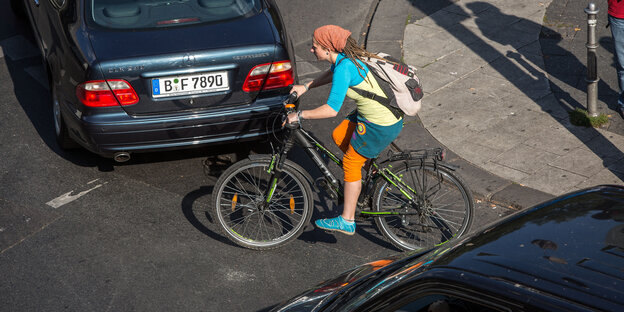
<point x="620" y="110"/>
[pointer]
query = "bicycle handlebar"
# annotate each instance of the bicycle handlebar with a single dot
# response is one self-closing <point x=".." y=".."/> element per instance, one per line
<point x="289" y="105"/>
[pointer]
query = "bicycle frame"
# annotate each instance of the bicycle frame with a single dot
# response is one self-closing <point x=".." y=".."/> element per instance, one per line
<point x="304" y="139"/>
<point x="310" y="145"/>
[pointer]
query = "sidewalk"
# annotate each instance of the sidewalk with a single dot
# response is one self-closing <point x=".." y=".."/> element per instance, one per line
<point x="489" y="97"/>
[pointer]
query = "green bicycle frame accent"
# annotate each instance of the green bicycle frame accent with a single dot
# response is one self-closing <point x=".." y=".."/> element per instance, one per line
<point x="272" y="190"/>
<point x="272" y="164"/>
<point x="328" y="153"/>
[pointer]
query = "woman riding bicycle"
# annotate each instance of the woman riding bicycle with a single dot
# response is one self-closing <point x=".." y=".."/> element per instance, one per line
<point x="365" y="132"/>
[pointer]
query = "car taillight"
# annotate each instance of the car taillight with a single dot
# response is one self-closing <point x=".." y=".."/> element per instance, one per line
<point x="269" y="76"/>
<point x="102" y="93"/>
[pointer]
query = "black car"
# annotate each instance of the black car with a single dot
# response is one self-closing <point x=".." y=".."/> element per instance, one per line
<point x="142" y="75"/>
<point x="564" y="255"/>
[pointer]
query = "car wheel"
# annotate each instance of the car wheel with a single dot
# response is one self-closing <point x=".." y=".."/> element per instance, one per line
<point x="60" y="129"/>
<point x="18" y="8"/>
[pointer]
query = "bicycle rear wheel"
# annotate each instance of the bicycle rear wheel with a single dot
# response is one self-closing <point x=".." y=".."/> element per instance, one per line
<point x="441" y="209"/>
<point x="244" y="217"/>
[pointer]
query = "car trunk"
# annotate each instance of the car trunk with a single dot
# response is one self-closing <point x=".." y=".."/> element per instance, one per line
<point x="204" y="65"/>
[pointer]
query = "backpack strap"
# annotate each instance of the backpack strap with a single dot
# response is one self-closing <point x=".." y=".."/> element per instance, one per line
<point x="385" y="101"/>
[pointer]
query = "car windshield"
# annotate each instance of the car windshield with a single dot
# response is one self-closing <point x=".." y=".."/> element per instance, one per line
<point x="123" y="14"/>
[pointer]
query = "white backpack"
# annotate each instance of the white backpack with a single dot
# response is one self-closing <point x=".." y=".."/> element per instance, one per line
<point x="399" y="83"/>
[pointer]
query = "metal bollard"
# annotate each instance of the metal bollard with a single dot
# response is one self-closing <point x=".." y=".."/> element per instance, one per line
<point x="592" y="66"/>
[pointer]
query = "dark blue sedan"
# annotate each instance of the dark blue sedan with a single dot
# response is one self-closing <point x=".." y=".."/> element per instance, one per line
<point x="564" y="255"/>
<point x="135" y="76"/>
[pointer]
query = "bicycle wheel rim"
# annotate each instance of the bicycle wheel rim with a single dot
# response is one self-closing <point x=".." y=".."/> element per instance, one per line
<point x="443" y="208"/>
<point x="242" y="215"/>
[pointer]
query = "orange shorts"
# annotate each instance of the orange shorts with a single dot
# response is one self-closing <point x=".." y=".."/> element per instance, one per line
<point x="352" y="161"/>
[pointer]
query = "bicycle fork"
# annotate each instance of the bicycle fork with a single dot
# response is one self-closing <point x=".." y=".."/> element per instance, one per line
<point x="275" y="170"/>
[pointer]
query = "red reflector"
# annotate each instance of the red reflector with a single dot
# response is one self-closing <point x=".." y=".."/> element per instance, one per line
<point x="103" y="93"/>
<point x="269" y="76"/>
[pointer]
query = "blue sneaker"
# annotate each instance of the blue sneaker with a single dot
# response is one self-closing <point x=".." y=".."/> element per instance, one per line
<point x="336" y="224"/>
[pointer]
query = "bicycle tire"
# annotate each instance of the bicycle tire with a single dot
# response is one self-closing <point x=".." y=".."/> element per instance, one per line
<point x="239" y="193"/>
<point x="447" y="207"/>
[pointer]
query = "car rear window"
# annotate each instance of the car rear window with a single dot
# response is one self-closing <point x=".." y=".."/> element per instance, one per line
<point x="138" y="14"/>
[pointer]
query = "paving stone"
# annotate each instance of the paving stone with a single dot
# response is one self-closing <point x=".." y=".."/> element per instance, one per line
<point x="533" y="48"/>
<point x="502" y="138"/>
<point x="585" y="162"/>
<point x="488" y="50"/>
<point x="603" y="148"/>
<point x="527" y="120"/>
<point x="446" y="100"/>
<point x="441" y="19"/>
<point x="556" y="140"/>
<point x="527" y="77"/>
<point x="479" y="118"/>
<point x="605" y="176"/>
<point x="476" y="153"/>
<point x="433" y="80"/>
<point x="441" y="43"/>
<point x="525" y="158"/>
<point x="550" y="105"/>
<point x="504" y="171"/>
<point x="461" y="8"/>
<point x="451" y="135"/>
<point x="458" y="63"/>
<point x="617" y="169"/>
<point x="561" y="85"/>
<point x="553" y="181"/>
<point x="560" y="65"/>
<point x="555" y="46"/>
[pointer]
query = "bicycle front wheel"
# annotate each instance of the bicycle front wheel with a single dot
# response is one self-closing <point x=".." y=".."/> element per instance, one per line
<point x="245" y="216"/>
<point x="441" y="207"/>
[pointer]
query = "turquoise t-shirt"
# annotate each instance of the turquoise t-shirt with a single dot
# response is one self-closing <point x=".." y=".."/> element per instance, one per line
<point x="346" y="75"/>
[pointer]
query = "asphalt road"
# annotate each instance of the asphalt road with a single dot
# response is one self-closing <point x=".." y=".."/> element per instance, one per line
<point x="82" y="233"/>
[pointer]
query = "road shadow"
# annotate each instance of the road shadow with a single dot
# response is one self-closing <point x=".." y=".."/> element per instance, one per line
<point x="196" y="210"/>
<point x="501" y="40"/>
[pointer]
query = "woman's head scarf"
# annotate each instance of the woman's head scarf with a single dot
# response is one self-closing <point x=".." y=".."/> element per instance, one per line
<point x="332" y="37"/>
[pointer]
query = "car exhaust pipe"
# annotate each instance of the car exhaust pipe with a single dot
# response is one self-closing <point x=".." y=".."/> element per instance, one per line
<point x="121" y="157"/>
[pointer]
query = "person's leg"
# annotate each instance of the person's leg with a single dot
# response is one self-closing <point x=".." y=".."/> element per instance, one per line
<point x="342" y="134"/>
<point x="352" y="166"/>
<point x="617" y="31"/>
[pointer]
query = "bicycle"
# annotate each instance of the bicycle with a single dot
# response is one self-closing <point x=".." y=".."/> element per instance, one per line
<point x="416" y="200"/>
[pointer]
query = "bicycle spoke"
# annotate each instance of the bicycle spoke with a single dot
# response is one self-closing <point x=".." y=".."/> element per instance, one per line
<point x="441" y="213"/>
<point x="252" y="222"/>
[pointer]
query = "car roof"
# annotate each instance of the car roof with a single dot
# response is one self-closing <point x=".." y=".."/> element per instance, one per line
<point x="571" y="247"/>
<point x="565" y="254"/>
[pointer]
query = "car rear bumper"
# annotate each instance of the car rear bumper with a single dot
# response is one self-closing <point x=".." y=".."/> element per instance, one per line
<point x="108" y="134"/>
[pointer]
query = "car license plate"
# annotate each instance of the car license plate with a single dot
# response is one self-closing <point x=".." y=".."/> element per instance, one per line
<point x="190" y="84"/>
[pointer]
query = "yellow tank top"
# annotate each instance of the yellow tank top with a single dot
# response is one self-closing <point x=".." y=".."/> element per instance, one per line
<point x="372" y="110"/>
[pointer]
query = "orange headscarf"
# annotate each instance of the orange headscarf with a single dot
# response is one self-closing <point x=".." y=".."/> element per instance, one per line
<point x="332" y="37"/>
